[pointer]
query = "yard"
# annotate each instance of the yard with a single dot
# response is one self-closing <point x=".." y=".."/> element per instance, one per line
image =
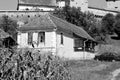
<point x="92" y="70"/>
<point x="22" y="64"/>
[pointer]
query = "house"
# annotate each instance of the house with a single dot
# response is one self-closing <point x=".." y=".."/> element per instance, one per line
<point x="41" y="5"/>
<point x="42" y="31"/>
<point x="82" y="4"/>
<point x="100" y="12"/>
<point x="46" y="32"/>
<point x="61" y="3"/>
<point x="113" y="5"/>
<point x="104" y="7"/>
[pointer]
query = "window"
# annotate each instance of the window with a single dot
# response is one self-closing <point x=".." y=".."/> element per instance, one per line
<point x="30" y="38"/>
<point x="61" y="38"/>
<point x="78" y="44"/>
<point x="41" y="37"/>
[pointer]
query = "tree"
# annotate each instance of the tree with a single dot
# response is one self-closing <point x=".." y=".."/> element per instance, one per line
<point x="108" y="24"/>
<point x="74" y="15"/>
<point x="117" y="27"/>
<point x="117" y="17"/>
<point x="9" y="26"/>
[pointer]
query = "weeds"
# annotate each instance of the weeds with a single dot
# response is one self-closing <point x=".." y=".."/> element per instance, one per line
<point x="26" y="65"/>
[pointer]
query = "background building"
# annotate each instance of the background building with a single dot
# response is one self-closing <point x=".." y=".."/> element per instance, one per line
<point x="113" y="5"/>
<point x="42" y="5"/>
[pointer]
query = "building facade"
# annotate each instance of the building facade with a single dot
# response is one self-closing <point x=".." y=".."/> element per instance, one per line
<point x="113" y="5"/>
<point x="83" y="4"/>
<point x="41" y="5"/>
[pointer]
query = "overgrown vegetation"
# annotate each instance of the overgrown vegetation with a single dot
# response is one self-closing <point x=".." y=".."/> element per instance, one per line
<point x="27" y="65"/>
<point x="9" y="26"/>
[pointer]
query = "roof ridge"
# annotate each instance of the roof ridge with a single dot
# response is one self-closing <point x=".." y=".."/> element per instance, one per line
<point x="51" y="20"/>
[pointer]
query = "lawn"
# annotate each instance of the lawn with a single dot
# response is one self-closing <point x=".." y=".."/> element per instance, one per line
<point x="91" y="69"/>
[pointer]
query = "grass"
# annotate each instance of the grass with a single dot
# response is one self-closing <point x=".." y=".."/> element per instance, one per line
<point x="91" y="69"/>
<point x="118" y="77"/>
<point x="79" y="69"/>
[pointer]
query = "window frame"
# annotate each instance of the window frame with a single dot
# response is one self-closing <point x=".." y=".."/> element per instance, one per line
<point x="61" y="39"/>
<point x="30" y="38"/>
<point x="77" y="44"/>
<point x="41" y="37"/>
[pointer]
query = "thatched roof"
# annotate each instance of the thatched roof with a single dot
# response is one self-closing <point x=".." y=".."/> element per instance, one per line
<point x="50" y="22"/>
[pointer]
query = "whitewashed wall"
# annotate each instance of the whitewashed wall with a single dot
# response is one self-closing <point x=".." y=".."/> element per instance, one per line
<point x="61" y="4"/>
<point x="113" y="4"/>
<point x="33" y="8"/>
<point x="67" y="49"/>
<point x="22" y="40"/>
<point x="79" y="3"/>
<point x="50" y="41"/>
<point x="100" y="12"/>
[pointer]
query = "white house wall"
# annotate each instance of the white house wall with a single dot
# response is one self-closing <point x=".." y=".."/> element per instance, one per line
<point x="67" y="49"/>
<point x="61" y="4"/>
<point x="100" y="12"/>
<point x="113" y="5"/>
<point x="33" y="8"/>
<point x="50" y="41"/>
<point x="83" y="4"/>
<point x="22" y="40"/>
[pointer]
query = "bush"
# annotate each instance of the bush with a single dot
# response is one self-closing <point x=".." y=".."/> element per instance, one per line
<point x="27" y="65"/>
<point x="108" y="53"/>
<point x="108" y="49"/>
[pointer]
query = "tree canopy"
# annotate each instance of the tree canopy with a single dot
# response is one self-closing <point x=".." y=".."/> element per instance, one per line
<point x="9" y="26"/>
<point x="108" y="23"/>
<point x="74" y="15"/>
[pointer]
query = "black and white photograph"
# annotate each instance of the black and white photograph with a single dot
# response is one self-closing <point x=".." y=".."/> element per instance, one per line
<point x="59" y="39"/>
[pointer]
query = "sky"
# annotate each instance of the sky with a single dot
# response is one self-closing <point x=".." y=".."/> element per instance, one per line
<point x="8" y="4"/>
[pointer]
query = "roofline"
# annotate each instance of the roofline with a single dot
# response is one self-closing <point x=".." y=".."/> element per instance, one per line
<point x="26" y="11"/>
<point x="104" y="9"/>
<point x="28" y="4"/>
<point x="75" y="26"/>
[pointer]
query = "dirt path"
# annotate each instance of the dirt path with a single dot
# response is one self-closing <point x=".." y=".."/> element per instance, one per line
<point x="115" y="74"/>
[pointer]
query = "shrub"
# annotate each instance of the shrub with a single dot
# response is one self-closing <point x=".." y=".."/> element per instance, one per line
<point x="27" y="65"/>
<point x="108" y="49"/>
<point x="108" y="53"/>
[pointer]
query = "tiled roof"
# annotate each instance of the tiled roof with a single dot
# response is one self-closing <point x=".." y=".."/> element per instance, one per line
<point x="64" y="25"/>
<point x="50" y="22"/>
<point x="41" y="22"/>
<point x="39" y="2"/>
